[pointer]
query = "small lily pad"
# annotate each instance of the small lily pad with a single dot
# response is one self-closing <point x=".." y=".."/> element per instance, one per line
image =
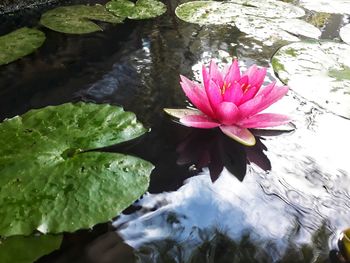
<point x="76" y="19"/>
<point x="264" y="20"/>
<point x="27" y="249"/>
<point x="334" y="6"/>
<point x="143" y="9"/>
<point x="180" y="113"/>
<point x="51" y="181"/>
<point x="20" y="43"/>
<point x="345" y="33"/>
<point x="318" y="71"/>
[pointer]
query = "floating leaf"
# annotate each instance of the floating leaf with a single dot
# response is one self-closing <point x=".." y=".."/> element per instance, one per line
<point x="76" y="19"/>
<point x="20" y="43"/>
<point x="345" y="33"/>
<point x="266" y="30"/>
<point x="212" y="12"/>
<point x="49" y="180"/>
<point x="180" y="113"/>
<point x="319" y="71"/>
<point x="21" y="249"/>
<point x="334" y="6"/>
<point x="143" y="9"/>
<point x="264" y="20"/>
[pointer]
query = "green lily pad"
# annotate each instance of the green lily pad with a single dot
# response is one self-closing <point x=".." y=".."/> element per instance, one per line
<point x="143" y="9"/>
<point x="76" y="19"/>
<point x="264" y="20"/>
<point x="21" y="249"/>
<point x="318" y="71"/>
<point x="20" y="43"/>
<point x="344" y="33"/>
<point x="334" y="6"/>
<point x="51" y="182"/>
<point x="213" y="12"/>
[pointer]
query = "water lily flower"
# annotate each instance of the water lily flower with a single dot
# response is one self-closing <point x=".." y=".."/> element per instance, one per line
<point x="231" y="101"/>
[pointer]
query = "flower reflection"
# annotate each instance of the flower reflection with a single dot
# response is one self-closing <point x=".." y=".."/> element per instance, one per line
<point x="210" y="148"/>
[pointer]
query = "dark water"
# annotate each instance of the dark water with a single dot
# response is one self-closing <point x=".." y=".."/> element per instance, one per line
<point x="284" y="200"/>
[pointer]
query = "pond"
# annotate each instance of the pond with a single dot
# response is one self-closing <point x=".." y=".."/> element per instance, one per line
<point x="286" y="199"/>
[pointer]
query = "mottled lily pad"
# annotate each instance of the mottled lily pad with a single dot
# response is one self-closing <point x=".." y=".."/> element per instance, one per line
<point x="20" y="43"/>
<point x="143" y="9"/>
<point x="271" y="30"/>
<point x="318" y="71"/>
<point x="334" y="6"/>
<point x="51" y="182"/>
<point x="21" y="249"/>
<point x="264" y="20"/>
<point x="76" y="19"/>
<point x="345" y="33"/>
<point x="213" y="12"/>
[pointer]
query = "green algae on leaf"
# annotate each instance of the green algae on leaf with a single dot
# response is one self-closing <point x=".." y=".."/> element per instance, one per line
<point x="51" y="181"/>
<point x="27" y="249"/>
<point x="333" y="7"/>
<point x="266" y="21"/>
<point x="76" y="19"/>
<point x="143" y="9"/>
<point x="344" y="33"/>
<point x="20" y="43"/>
<point x="318" y="71"/>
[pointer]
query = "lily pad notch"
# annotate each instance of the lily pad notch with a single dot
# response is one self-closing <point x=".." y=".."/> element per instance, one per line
<point x="51" y="179"/>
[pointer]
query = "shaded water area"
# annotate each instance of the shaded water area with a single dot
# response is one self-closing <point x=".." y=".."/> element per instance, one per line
<point x="284" y="200"/>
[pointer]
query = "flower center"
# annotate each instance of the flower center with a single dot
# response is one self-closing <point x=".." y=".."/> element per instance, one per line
<point x="245" y="87"/>
<point x="224" y="87"/>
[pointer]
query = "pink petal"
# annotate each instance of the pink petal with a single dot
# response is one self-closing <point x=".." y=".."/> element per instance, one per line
<point x="251" y="92"/>
<point x="215" y="74"/>
<point x="214" y="94"/>
<point x="262" y="101"/>
<point x="276" y="94"/>
<point x="197" y="95"/>
<point x="205" y="76"/>
<point x="256" y="76"/>
<point x="227" y="113"/>
<point x="264" y="120"/>
<point x="199" y="121"/>
<point x="233" y="73"/>
<point x="241" y="135"/>
<point x="233" y="93"/>
<point x="266" y="90"/>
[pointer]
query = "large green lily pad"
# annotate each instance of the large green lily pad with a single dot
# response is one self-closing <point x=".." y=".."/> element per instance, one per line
<point x="76" y="19"/>
<point x="21" y="249"/>
<point x="264" y="20"/>
<point x="20" y="43"/>
<point x="50" y="182"/>
<point x="143" y="9"/>
<point x="333" y="6"/>
<point x="344" y="33"/>
<point x="319" y="71"/>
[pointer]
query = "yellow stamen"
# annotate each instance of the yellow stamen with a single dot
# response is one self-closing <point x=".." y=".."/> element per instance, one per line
<point x="225" y="86"/>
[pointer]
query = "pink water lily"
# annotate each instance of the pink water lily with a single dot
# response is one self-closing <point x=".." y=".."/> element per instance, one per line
<point x="231" y="101"/>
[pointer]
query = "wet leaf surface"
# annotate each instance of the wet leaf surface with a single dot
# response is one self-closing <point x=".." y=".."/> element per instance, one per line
<point x="77" y="19"/>
<point x="255" y="18"/>
<point x="27" y="249"/>
<point x="344" y="33"/>
<point x="51" y="183"/>
<point x="20" y="43"/>
<point x="334" y="6"/>
<point x="319" y="71"/>
<point x="142" y="9"/>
